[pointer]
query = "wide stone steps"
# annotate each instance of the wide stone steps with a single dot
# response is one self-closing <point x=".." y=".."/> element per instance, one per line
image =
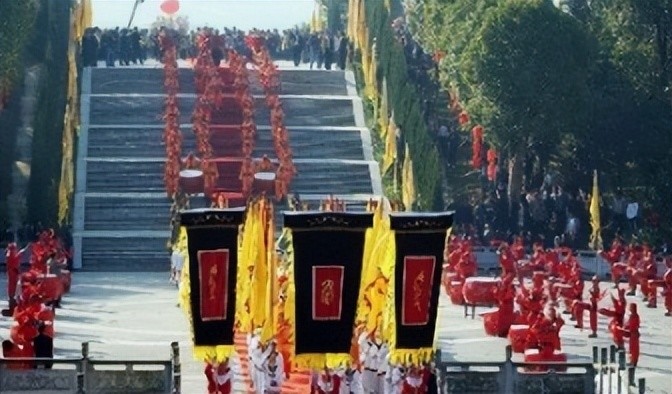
<point x="150" y="81"/>
<point x="148" y="110"/>
<point x="147" y="142"/>
<point x="126" y="213"/>
<point x="126" y="253"/>
<point x="147" y="176"/>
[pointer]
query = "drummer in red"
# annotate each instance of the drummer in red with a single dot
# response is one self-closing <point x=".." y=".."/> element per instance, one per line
<point x="631" y="331"/>
<point x="507" y="261"/>
<point x="613" y="257"/>
<point x="617" y="314"/>
<point x="13" y="260"/>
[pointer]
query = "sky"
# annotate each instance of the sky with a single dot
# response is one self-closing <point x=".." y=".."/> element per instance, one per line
<point x="244" y="14"/>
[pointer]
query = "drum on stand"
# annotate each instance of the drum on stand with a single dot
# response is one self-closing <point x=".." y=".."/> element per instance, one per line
<point x="264" y="182"/>
<point x="192" y="181"/>
<point x="479" y="290"/>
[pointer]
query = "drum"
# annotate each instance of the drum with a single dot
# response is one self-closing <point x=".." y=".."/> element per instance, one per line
<point x="480" y="290"/>
<point x="192" y="181"/>
<point x="264" y="182"/>
<point x="456" y="297"/>
<point x="518" y="337"/>
<point x="447" y="279"/>
<point x="491" y="321"/>
<point x="50" y="287"/>
<point x="532" y="356"/>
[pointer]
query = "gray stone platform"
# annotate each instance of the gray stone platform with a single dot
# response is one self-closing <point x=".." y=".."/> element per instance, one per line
<point x="133" y="316"/>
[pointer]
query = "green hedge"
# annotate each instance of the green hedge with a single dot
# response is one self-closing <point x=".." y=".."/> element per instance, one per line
<point x="405" y="101"/>
<point x="16" y="27"/>
<point x="52" y="48"/>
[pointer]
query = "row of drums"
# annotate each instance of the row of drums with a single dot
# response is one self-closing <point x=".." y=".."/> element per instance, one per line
<point x="193" y="182"/>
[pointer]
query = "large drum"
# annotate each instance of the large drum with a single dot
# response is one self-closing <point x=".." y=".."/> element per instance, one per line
<point x="518" y="337"/>
<point x="264" y="182"/>
<point x="533" y="355"/>
<point x="192" y="181"/>
<point x="479" y="290"/>
<point x="50" y="286"/>
<point x="491" y="321"/>
<point x="456" y="297"/>
<point x="446" y="279"/>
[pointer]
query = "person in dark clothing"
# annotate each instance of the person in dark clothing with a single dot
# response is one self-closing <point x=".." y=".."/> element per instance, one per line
<point x="89" y="49"/>
<point x="43" y="345"/>
<point x="297" y="48"/>
<point x="342" y="51"/>
<point x="136" y="48"/>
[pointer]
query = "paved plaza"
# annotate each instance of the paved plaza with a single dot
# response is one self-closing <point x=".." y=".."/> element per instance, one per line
<point x="134" y="316"/>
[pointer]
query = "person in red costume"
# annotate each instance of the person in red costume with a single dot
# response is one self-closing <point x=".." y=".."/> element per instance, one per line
<point x="415" y="381"/>
<point x="505" y="294"/>
<point x="518" y="249"/>
<point x="466" y="266"/>
<point x="532" y="301"/>
<point x="328" y="383"/>
<point x="544" y="333"/>
<point x="595" y="297"/>
<point x="648" y="271"/>
<point x="507" y="261"/>
<point x="617" y="315"/>
<point x="631" y="331"/>
<point x="613" y="257"/>
<point x="633" y="261"/>
<point x="219" y="377"/>
<point x="552" y="262"/>
<point x="13" y="260"/>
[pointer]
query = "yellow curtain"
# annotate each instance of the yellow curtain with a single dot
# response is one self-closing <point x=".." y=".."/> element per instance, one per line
<point x="361" y="26"/>
<point x="595" y="237"/>
<point x="260" y="272"/>
<point x="352" y="15"/>
<point x="247" y="248"/>
<point x="408" y="181"/>
<point x="390" y="155"/>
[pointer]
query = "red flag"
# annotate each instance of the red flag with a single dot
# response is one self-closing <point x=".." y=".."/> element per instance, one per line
<point x="213" y="271"/>
<point x="417" y="289"/>
<point x="327" y="292"/>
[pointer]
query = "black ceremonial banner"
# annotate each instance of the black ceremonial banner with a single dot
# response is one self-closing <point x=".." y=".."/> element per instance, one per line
<point x="212" y="236"/>
<point x="328" y="250"/>
<point x="419" y="240"/>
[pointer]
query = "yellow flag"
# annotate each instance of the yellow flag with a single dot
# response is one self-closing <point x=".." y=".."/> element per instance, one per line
<point x="361" y="26"/>
<point x="260" y="273"/>
<point x="595" y="237"/>
<point x="408" y="181"/>
<point x="351" y="19"/>
<point x="269" y="327"/>
<point x="390" y="145"/>
<point x="373" y="75"/>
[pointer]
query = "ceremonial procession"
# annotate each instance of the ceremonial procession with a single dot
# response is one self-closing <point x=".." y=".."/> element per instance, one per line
<point x="335" y="197"/>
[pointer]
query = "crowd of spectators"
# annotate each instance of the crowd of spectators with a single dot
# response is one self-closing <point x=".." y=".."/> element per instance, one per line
<point x="123" y="47"/>
<point x="548" y="213"/>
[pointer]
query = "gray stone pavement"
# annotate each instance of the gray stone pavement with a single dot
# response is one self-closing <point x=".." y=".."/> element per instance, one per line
<point x="134" y="316"/>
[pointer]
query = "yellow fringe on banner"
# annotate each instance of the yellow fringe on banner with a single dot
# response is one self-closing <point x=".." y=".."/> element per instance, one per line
<point x="320" y="360"/>
<point x="213" y="353"/>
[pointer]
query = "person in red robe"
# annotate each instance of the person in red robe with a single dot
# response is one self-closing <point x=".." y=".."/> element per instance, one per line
<point x="505" y="294"/>
<point x="613" y="257"/>
<point x="667" y="287"/>
<point x="328" y="383"/>
<point x="617" y="314"/>
<point x="631" y="331"/>
<point x="415" y="381"/>
<point x="13" y="261"/>
<point x="507" y="261"/>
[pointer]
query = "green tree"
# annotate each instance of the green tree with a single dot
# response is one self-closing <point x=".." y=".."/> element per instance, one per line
<point x="527" y="71"/>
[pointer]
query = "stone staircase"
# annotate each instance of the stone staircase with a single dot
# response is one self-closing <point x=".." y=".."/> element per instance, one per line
<point x="121" y="215"/>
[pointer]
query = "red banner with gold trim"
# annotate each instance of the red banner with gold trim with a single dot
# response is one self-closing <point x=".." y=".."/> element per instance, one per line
<point x="327" y="292"/>
<point x="213" y="272"/>
<point x="418" y="279"/>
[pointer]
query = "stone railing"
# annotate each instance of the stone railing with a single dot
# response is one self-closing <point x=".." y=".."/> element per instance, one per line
<point x="85" y="375"/>
<point x="512" y="377"/>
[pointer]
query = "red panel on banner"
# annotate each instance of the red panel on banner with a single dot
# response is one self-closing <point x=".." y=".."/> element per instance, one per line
<point x="213" y="273"/>
<point x="417" y="289"/>
<point x="327" y="292"/>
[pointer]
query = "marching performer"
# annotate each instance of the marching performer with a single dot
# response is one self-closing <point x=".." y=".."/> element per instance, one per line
<point x="328" y="382"/>
<point x="631" y="331"/>
<point x="350" y="381"/>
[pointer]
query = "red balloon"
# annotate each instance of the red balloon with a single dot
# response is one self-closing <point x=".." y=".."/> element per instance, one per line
<point x="170" y="6"/>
